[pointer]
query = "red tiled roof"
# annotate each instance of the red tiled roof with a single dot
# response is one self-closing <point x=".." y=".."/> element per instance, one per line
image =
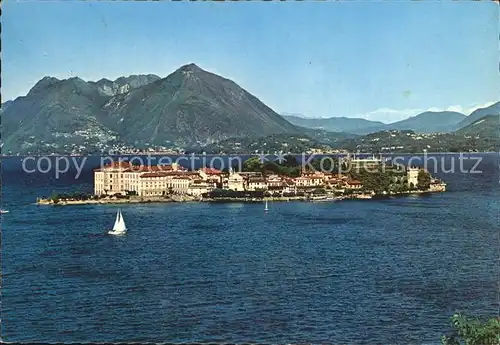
<point x="151" y="168"/>
<point x="173" y="174"/>
<point x="353" y="182"/>
<point x="256" y="180"/>
<point x="153" y="174"/>
<point x="119" y="164"/>
<point x="181" y="178"/>
<point x="180" y="173"/>
<point x="211" y="171"/>
<point x="155" y="168"/>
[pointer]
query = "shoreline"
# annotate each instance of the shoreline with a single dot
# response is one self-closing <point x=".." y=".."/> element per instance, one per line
<point x="243" y="154"/>
<point x="184" y="199"/>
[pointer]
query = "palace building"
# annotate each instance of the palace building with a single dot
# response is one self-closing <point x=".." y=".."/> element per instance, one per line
<point x="124" y="178"/>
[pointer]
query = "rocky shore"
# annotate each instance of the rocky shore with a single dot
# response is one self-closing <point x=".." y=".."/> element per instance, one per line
<point x="104" y="201"/>
<point x="187" y="198"/>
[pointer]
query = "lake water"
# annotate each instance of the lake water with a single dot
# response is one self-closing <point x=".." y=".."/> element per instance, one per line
<point x="363" y="272"/>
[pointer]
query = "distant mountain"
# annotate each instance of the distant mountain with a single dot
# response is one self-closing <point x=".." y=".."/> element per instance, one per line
<point x="5" y="105"/>
<point x="480" y="139"/>
<point x="294" y="115"/>
<point x="485" y="127"/>
<point x="429" y="122"/>
<point x="54" y="112"/>
<point x="481" y="135"/>
<point x="493" y="109"/>
<point x="190" y="107"/>
<point x="123" y="84"/>
<point x="286" y="143"/>
<point x="335" y="124"/>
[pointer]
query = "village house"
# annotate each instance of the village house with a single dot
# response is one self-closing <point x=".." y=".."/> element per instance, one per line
<point x="248" y="174"/>
<point x="256" y="184"/>
<point x="275" y="184"/>
<point x="158" y="184"/>
<point x="363" y="163"/>
<point x="234" y="181"/>
<point x="199" y="187"/>
<point x="353" y="184"/>
<point x="152" y="184"/>
<point x="108" y="180"/>
<point x="437" y="186"/>
<point x="274" y="181"/>
<point x="211" y="176"/>
<point x="303" y="182"/>
<point x="315" y="179"/>
<point x="179" y="184"/>
<point x="331" y="183"/>
<point x="289" y="186"/>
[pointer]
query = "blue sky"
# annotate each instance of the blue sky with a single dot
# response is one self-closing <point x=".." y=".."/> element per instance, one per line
<point x="378" y="60"/>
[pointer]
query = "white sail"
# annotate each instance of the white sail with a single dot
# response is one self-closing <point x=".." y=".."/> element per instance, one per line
<point x="266" y="208"/>
<point x="119" y="223"/>
<point x="117" y="220"/>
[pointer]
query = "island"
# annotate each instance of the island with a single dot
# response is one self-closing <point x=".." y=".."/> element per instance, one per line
<point x="333" y="179"/>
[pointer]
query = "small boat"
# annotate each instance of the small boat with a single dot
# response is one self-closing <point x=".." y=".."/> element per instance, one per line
<point x="323" y="198"/>
<point x="266" y="208"/>
<point x="119" y="228"/>
<point x="3" y="211"/>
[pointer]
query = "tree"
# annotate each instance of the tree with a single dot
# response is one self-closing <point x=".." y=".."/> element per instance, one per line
<point x="424" y="180"/>
<point x="470" y="331"/>
<point x="54" y="196"/>
<point x="325" y="164"/>
<point x="252" y="164"/>
<point x="290" y="161"/>
<point x="378" y="180"/>
<point x="404" y="187"/>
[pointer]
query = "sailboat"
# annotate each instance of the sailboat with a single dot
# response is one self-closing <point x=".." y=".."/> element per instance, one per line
<point x="266" y="208"/>
<point x="119" y="228"/>
<point x="2" y="211"/>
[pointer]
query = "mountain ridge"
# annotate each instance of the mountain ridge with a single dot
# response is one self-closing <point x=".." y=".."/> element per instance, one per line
<point x="337" y="124"/>
<point x="190" y="106"/>
<point x="424" y="122"/>
<point x="487" y="127"/>
<point x="493" y="109"/>
<point x="429" y="122"/>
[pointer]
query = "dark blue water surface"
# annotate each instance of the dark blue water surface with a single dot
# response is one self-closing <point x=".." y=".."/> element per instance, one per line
<point x="363" y="272"/>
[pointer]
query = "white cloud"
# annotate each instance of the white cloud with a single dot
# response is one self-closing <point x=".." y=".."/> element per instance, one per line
<point x="457" y="108"/>
<point x="477" y="106"/>
<point x="389" y="115"/>
<point x="466" y="110"/>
